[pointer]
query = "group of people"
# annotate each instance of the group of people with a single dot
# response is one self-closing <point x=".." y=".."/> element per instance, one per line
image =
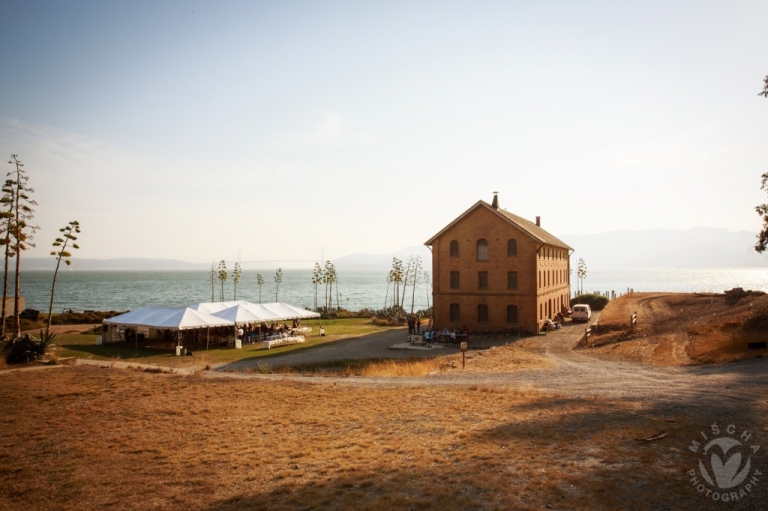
<point x="549" y="325"/>
<point x="453" y="335"/>
<point x="434" y="334"/>
<point x="414" y="324"/>
<point x="249" y="332"/>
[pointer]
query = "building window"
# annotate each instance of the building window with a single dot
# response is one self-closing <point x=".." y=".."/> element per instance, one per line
<point x="455" y="280"/>
<point x="482" y="280"/>
<point x="482" y="313"/>
<point x="511" y="280"/>
<point x="512" y="248"/>
<point x="512" y="314"/>
<point x="482" y="250"/>
<point x="455" y="313"/>
<point x="454" y="248"/>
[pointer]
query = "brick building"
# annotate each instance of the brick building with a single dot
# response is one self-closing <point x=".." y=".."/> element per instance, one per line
<point x="492" y="270"/>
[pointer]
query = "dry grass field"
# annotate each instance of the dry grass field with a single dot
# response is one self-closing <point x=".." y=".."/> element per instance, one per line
<point x="682" y="329"/>
<point x="381" y="434"/>
<point x="503" y="359"/>
<point x="100" y="438"/>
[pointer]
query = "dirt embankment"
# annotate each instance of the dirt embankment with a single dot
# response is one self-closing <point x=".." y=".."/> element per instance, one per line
<point x="682" y="328"/>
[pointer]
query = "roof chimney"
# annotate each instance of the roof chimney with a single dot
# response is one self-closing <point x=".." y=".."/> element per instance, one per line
<point x="538" y="221"/>
<point x="495" y="204"/>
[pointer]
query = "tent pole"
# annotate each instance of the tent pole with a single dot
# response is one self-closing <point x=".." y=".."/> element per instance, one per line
<point x="207" y="337"/>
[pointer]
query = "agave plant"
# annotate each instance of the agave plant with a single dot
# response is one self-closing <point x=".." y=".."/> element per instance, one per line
<point x="27" y="348"/>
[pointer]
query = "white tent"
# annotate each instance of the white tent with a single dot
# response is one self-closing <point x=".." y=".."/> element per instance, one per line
<point x="203" y="315"/>
<point x="161" y="318"/>
<point x="171" y="318"/>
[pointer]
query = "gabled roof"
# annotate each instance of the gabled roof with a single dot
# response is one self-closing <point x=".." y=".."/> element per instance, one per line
<point x="528" y="227"/>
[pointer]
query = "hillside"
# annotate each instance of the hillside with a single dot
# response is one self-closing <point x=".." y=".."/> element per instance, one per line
<point x="682" y="328"/>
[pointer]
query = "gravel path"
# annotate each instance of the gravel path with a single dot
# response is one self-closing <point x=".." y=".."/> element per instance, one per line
<point x="576" y="373"/>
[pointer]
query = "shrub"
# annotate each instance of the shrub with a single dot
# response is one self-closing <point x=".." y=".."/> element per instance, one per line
<point x="595" y="302"/>
<point x="76" y="318"/>
<point x="27" y="349"/>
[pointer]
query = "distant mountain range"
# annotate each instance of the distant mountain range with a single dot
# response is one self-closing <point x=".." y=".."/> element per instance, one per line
<point x="701" y="247"/>
<point x="125" y="263"/>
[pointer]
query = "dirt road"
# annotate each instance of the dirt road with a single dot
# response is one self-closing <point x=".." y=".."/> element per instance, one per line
<point x="573" y="373"/>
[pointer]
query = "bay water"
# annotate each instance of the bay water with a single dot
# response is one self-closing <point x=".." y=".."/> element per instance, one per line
<point x="357" y="289"/>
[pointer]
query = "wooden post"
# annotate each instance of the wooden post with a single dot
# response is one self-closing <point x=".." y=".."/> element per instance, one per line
<point x="463" y="352"/>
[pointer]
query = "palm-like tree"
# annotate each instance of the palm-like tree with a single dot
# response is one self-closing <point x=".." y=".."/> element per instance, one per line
<point x="278" y="281"/>
<point x="222" y="278"/>
<point x="259" y="282"/>
<point x="7" y="228"/>
<point x="581" y="272"/>
<point x="317" y="279"/>
<point x="21" y="232"/>
<point x="67" y="237"/>
<point x="236" y="274"/>
<point x="213" y="278"/>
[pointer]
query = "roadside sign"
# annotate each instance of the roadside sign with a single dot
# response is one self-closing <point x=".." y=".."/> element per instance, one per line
<point x="464" y="346"/>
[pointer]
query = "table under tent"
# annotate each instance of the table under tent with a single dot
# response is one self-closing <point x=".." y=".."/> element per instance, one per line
<point x="254" y="318"/>
<point x="204" y="324"/>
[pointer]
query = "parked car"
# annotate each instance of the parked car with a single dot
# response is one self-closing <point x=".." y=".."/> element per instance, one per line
<point x="581" y="312"/>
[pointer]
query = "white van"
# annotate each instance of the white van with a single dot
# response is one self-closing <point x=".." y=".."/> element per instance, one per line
<point x="581" y="312"/>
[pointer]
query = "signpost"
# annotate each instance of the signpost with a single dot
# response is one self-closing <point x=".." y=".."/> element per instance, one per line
<point x="587" y="333"/>
<point x="632" y="321"/>
<point x="463" y="353"/>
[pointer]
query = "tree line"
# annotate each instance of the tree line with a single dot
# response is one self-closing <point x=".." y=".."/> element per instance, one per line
<point x="17" y="233"/>
<point x="403" y="278"/>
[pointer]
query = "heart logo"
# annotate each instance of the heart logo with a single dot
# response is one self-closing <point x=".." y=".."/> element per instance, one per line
<point x="727" y="475"/>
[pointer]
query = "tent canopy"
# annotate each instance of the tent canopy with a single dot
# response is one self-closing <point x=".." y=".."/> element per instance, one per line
<point x="172" y="318"/>
<point x="214" y="307"/>
<point x="209" y="315"/>
<point x="246" y="312"/>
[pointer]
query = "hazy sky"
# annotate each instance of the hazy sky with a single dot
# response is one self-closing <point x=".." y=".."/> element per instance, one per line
<point x="200" y="130"/>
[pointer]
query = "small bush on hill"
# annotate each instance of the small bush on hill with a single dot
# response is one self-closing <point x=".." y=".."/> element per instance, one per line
<point x="595" y="302"/>
<point x="77" y="318"/>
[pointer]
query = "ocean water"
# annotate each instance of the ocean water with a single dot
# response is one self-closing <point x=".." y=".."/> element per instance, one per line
<point x="128" y="290"/>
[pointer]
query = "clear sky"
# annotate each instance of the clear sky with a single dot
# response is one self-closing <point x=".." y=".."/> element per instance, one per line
<point x="204" y="130"/>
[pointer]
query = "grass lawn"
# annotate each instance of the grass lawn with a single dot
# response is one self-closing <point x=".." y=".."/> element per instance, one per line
<point x="84" y="345"/>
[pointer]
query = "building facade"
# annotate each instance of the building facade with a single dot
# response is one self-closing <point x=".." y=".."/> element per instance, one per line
<point x="492" y="270"/>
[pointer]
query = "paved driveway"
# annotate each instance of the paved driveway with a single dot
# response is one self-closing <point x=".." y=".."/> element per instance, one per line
<point x="366" y="347"/>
